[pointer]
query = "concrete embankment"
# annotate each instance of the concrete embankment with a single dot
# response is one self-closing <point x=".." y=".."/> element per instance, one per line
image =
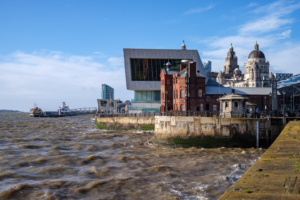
<point x="276" y="175"/>
<point x="212" y="131"/>
<point x="127" y="122"/>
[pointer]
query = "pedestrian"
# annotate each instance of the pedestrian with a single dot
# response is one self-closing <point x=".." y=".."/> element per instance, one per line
<point x="257" y="112"/>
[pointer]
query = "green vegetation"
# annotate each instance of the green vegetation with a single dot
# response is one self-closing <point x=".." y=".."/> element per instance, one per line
<point x="147" y="128"/>
<point x="272" y="157"/>
<point x="206" y="142"/>
<point x="267" y="160"/>
<point x="247" y="191"/>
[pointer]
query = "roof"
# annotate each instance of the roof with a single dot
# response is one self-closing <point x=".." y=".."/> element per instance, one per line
<point x="239" y="90"/>
<point x="212" y="82"/>
<point x="256" y="54"/>
<point x="182" y="74"/>
<point x="170" y="72"/>
<point x="232" y="96"/>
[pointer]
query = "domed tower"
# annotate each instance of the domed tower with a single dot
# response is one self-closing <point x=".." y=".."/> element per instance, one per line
<point x="257" y="69"/>
<point x="230" y="61"/>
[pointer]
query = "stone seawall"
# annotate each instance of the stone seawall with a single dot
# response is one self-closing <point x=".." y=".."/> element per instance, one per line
<point x="276" y="175"/>
<point x="127" y="121"/>
<point x="243" y="129"/>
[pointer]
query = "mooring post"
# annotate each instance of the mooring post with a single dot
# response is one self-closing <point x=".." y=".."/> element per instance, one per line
<point x="257" y="134"/>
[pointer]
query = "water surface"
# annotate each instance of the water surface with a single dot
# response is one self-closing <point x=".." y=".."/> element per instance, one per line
<point x="69" y="158"/>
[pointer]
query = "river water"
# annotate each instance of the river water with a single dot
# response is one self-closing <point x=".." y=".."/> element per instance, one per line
<point x="69" y="158"/>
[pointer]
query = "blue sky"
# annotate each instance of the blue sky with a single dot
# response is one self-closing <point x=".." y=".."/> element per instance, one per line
<point x="54" y="51"/>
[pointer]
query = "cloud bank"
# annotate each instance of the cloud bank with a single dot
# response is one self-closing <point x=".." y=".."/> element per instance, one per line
<point x="50" y="77"/>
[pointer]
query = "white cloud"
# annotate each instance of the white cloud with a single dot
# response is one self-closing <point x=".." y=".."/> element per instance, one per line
<point x="252" y="5"/>
<point x="267" y="29"/>
<point x="49" y="78"/>
<point x="269" y="18"/>
<point x="285" y="34"/>
<point x="115" y="61"/>
<point x="198" y="10"/>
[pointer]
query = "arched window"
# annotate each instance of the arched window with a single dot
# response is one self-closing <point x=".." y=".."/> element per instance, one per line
<point x="182" y="107"/>
<point x="199" y="92"/>
<point x="181" y="93"/>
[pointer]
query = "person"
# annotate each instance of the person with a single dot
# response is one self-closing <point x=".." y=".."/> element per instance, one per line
<point x="257" y="112"/>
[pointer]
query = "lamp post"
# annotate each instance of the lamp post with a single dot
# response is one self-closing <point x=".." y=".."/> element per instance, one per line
<point x="168" y="64"/>
<point x="283" y="92"/>
<point x="265" y="105"/>
<point x="291" y="102"/>
<point x="270" y="95"/>
<point x="167" y="102"/>
<point x="187" y="82"/>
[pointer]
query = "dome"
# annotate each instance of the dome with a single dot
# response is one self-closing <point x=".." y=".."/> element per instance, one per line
<point x="256" y="54"/>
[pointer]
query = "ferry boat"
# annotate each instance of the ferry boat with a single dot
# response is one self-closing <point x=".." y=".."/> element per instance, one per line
<point x="64" y="108"/>
<point x="36" y="111"/>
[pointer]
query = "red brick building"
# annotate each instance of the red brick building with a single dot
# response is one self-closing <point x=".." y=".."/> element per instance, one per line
<point x="204" y="97"/>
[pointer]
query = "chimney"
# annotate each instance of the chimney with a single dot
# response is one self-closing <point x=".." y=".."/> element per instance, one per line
<point x="182" y="67"/>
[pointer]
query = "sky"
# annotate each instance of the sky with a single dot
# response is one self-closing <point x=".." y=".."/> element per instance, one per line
<point x="63" y="50"/>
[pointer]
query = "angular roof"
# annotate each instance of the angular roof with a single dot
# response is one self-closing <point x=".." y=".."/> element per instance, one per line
<point x="182" y="74"/>
<point x="239" y="90"/>
<point x="232" y="96"/>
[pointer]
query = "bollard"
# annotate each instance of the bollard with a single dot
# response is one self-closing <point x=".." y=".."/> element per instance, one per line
<point x="257" y="134"/>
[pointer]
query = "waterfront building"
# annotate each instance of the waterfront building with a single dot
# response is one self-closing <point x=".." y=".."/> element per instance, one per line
<point x="207" y="66"/>
<point x="256" y="70"/>
<point x="142" y="71"/>
<point x="282" y="76"/>
<point x="111" y="106"/>
<point x="107" y="92"/>
<point x="204" y="97"/>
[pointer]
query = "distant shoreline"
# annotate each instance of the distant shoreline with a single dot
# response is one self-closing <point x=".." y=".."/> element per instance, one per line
<point x="10" y="111"/>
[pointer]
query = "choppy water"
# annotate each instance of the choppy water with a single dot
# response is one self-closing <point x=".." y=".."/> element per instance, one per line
<point x="69" y="158"/>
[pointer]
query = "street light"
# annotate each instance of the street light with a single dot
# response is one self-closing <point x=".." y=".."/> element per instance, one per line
<point x="283" y="92"/>
<point x="187" y="81"/>
<point x="265" y="104"/>
<point x="167" y="101"/>
<point x="270" y="100"/>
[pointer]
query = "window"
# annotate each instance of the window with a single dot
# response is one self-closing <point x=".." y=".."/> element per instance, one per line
<point x="199" y="92"/>
<point x="201" y="106"/>
<point x="112" y="104"/>
<point x="226" y="104"/>
<point x="181" y="93"/>
<point x="103" y="103"/>
<point x="149" y="69"/>
<point x="182" y="107"/>
<point x="236" y="104"/>
<point x="214" y="107"/>
<point x="168" y="81"/>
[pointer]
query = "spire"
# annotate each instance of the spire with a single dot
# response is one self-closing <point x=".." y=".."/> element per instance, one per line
<point x="183" y="47"/>
<point x="256" y="46"/>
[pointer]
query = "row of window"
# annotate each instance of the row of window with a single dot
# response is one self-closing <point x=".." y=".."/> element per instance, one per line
<point x="175" y="93"/>
<point x="149" y="69"/>
<point x="200" y="108"/>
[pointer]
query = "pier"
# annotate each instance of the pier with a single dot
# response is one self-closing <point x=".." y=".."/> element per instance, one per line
<point x="276" y="175"/>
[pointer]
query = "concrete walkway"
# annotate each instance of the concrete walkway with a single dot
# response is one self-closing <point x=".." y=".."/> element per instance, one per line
<point x="276" y="175"/>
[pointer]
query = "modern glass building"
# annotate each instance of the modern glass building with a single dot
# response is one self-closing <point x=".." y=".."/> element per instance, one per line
<point x="207" y="66"/>
<point x="107" y="92"/>
<point x="290" y="91"/>
<point x="142" y="72"/>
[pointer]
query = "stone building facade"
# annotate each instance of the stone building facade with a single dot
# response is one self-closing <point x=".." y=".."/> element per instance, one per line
<point x="256" y="70"/>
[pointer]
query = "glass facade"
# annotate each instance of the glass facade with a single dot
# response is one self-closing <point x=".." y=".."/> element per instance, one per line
<point x="207" y="66"/>
<point x="146" y="96"/>
<point x="149" y="69"/>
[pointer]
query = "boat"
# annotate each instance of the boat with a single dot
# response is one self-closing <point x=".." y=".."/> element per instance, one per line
<point x="35" y="111"/>
<point x="64" y="107"/>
